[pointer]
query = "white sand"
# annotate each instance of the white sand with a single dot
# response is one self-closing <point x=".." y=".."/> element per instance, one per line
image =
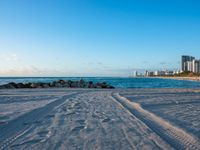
<point x="90" y="119"/>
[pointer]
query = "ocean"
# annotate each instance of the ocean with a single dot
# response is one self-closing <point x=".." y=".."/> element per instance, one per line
<point x="114" y="81"/>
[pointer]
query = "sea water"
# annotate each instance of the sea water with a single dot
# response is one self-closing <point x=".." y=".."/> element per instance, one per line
<point x="118" y="82"/>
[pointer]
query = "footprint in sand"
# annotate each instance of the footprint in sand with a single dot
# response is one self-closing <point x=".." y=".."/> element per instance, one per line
<point x="82" y="121"/>
<point x="50" y="116"/>
<point x="33" y="141"/>
<point x="43" y="133"/>
<point x="106" y="120"/>
<point x="78" y="128"/>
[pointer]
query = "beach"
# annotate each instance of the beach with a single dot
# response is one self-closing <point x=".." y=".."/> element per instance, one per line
<point x="61" y="118"/>
<point x="181" y="78"/>
<point x="99" y="75"/>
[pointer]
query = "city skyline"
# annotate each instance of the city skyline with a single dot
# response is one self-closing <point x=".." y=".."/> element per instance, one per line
<point x="96" y="38"/>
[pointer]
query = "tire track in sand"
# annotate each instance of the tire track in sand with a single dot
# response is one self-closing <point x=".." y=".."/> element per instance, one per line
<point x="21" y="125"/>
<point x="174" y="136"/>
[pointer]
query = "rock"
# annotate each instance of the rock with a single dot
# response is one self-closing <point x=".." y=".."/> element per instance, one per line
<point x="52" y="84"/>
<point x="110" y="87"/>
<point x="100" y="85"/>
<point x="21" y="85"/>
<point x="75" y="84"/>
<point x="82" y="83"/>
<point x="10" y="85"/>
<point x="58" y="84"/>
<point x="66" y="85"/>
<point x="27" y="85"/>
<point x="46" y="85"/>
<point x="69" y="82"/>
<point x="90" y="84"/>
<point x="36" y="85"/>
<point x="61" y="81"/>
<point x="33" y="85"/>
<point x="104" y="85"/>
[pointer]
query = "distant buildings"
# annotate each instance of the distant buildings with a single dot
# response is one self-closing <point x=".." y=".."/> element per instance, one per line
<point x="186" y="62"/>
<point x="161" y="73"/>
<point x="196" y="66"/>
<point x="189" y="63"/>
<point x="149" y="73"/>
<point x="135" y="74"/>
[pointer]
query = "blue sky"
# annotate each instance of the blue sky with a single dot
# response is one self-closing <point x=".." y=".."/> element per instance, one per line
<point x="96" y="37"/>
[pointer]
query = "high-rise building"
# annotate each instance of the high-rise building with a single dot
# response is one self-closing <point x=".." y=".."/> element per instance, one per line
<point x="196" y="66"/>
<point x="185" y="66"/>
<point x="189" y="65"/>
<point x="135" y="74"/>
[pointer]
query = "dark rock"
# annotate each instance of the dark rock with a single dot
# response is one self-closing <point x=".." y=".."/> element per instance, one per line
<point x="61" y="81"/>
<point x="66" y="85"/>
<point x="90" y="84"/>
<point x="69" y="82"/>
<point x="27" y="85"/>
<point x="82" y="83"/>
<point x="36" y="85"/>
<point x="13" y="84"/>
<point x="110" y="87"/>
<point x="58" y="84"/>
<point x="75" y="84"/>
<point x="10" y="85"/>
<point x="46" y="85"/>
<point x="21" y="85"/>
<point x="52" y="84"/>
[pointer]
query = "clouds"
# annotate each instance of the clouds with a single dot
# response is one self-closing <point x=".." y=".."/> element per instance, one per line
<point x="9" y="61"/>
<point x="12" y="57"/>
<point x="13" y="64"/>
<point x="20" y="71"/>
<point x="30" y="71"/>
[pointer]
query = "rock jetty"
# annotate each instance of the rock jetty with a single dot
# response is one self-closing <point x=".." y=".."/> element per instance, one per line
<point x="58" y="84"/>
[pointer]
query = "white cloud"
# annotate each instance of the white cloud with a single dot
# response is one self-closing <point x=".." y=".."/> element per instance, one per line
<point x="13" y="65"/>
<point x="31" y="70"/>
<point x="9" y="57"/>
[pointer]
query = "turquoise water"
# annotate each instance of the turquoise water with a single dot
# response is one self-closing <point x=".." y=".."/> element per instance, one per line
<point x="116" y="82"/>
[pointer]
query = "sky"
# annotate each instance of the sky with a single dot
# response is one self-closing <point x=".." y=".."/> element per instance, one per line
<point x="96" y="37"/>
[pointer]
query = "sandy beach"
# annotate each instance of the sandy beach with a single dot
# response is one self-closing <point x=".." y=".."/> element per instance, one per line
<point x="99" y="119"/>
<point x="99" y="75"/>
<point x="182" y="78"/>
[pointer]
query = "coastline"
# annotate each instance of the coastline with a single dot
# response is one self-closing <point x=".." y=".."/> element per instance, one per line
<point x="181" y="78"/>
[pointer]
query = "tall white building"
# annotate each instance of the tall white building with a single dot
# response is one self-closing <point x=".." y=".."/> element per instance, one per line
<point x="135" y="74"/>
<point x="196" y="66"/>
<point x="184" y="62"/>
<point x="191" y="64"/>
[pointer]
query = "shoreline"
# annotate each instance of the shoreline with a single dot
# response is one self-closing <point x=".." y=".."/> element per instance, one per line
<point x="181" y="78"/>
